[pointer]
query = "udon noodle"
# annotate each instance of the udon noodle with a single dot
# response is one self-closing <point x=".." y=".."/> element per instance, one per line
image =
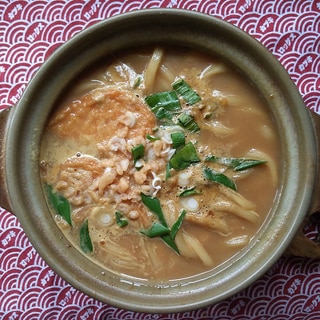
<point x="141" y="163"/>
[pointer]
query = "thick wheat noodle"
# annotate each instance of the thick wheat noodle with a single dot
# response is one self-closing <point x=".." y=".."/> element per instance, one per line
<point x="152" y="68"/>
<point x="198" y="248"/>
<point x="235" y="209"/>
<point x="220" y="129"/>
<point x="259" y="155"/>
<point x="239" y="241"/>
<point x="238" y="198"/>
<point x="212" y="70"/>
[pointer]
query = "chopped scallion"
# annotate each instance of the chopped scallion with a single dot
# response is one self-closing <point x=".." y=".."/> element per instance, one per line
<point x="85" y="240"/>
<point x="178" y="139"/>
<point x="168" y="100"/>
<point x="218" y="177"/>
<point x="186" y="92"/>
<point x="189" y="192"/>
<point x="157" y="230"/>
<point x="137" y="153"/>
<point x="184" y="157"/>
<point x="153" y="204"/>
<point x="237" y="164"/>
<point x="187" y="122"/>
<point x="120" y="220"/>
<point x="176" y="226"/>
<point x="60" y="204"/>
<point x="152" y="138"/>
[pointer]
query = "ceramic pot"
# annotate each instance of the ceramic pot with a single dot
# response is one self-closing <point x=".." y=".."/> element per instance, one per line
<point x="22" y="127"/>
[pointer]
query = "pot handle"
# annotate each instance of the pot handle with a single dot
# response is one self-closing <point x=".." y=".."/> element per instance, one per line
<point x="4" y="197"/>
<point x="301" y="245"/>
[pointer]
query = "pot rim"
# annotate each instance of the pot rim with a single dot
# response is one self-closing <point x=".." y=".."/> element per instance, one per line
<point x="28" y="118"/>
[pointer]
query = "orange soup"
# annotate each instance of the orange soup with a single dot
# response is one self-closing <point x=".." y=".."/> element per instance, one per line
<point x="162" y="164"/>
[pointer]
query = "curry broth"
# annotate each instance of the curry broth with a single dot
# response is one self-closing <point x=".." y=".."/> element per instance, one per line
<point x="91" y="165"/>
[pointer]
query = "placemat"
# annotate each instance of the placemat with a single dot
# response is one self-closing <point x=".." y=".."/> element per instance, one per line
<point x="30" y="31"/>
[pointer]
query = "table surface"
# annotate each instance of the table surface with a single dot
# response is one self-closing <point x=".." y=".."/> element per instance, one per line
<point x="30" y="31"/>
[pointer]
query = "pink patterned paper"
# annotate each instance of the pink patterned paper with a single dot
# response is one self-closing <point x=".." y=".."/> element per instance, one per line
<point x="30" y="31"/>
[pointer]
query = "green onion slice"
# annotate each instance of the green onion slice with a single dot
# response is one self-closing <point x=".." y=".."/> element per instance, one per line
<point x="184" y="157"/>
<point x="60" y="204"/>
<point x="186" y="92"/>
<point x="170" y="242"/>
<point x="152" y="138"/>
<point x="218" y="177"/>
<point x="120" y="220"/>
<point x="176" y="226"/>
<point x="137" y="152"/>
<point x="237" y="164"/>
<point x="189" y="192"/>
<point x="85" y="240"/>
<point x="187" y="122"/>
<point x="157" y="230"/>
<point x="153" y="204"/>
<point x="178" y="139"/>
<point x="167" y="100"/>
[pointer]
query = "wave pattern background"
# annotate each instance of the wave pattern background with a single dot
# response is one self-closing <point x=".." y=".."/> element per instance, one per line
<point x="30" y="31"/>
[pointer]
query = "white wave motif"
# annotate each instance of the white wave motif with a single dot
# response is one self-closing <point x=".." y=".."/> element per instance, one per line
<point x="5" y="26"/>
<point x="301" y="6"/>
<point x="289" y="60"/>
<point x="4" y="93"/>
<point x="71" y="11"/>
<point x="305" y="42"/>
<point x="36" y="52"/>
<point x="9" y="279"/>
<point x="225" y="8"/>
<point x="249" y="22"/>
<point x="109" y="9"/>
<point x="69" y="312"/>
<point x="257" y="306"/>
<point x="53" y="10"/>
<point x="51" y="312"/>
<point x="16" y="73"/>
<point x="33" y="10"/>
<point x="232" y="18"/>
<point x="269" y="40"/>
<point x="148" y="4"/>
<point x="190" y="5"/>
<point x="29" y="298"/>
<point x="71" y="30"/>
<point x="31" y="314"/>
<point x="263" y="6"/>
<point x="312" y="101"/>
<point x="219" y="308"/>
<point x="16" y="53"/>
<point x="208" y="7"/>
<point x="28" y="277"/>
<point x="311" y="284"/>
<point x="282" y="7"/>
<point x="10" y="298"/>
<point x="286" y="22"/>
<point x="291" y="265"/>
<point x="9" y="258"/>
<point x="277" y="306"/>
<point x="82" y="300"/>
<point x="53" y="32"/>
<point x="307" y="82"/>
<point x="15" y="33"/>
<point x="107" y="312"/>
<point x="257" y="287"/>
<point x="8" y="220"/>
<point x="47" y="296"/>
<point x="312" y="316"/>
<point x="306" y="22"/>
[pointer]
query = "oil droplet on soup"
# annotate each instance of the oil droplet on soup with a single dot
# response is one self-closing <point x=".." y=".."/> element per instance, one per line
<point x="161" y="164"/>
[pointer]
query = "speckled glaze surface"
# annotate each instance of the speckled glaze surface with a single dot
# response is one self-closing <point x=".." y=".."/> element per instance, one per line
<point x="22" y="193"/>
